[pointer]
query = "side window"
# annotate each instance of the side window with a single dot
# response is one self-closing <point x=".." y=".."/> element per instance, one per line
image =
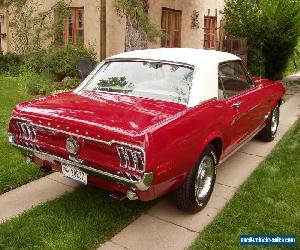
<point x="220" y="89"/>
<point x="233" y="79"/>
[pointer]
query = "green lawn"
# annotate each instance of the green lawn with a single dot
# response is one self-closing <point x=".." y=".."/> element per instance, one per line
<point x="268" y="203"/>
<point x="79" y="220"/>
<point x="13" y="169"/>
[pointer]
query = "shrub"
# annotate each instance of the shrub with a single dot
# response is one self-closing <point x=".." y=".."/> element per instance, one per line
<point x="32" y="82"/>
<point x="10" y="63"/>
<point x="275" y="24"/>
<point x="57" y="63"/>
<point x="294" y="61"/>
<point x="256" y="62"/>
<point x="64" y="86"/>
<point x="62" y="62"/>
<point x="37" y="84"/>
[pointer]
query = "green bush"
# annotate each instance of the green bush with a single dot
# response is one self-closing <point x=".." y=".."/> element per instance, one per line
<point x="294" y="61"/>
<point x="56" y="62"/>
<point x="256" y="62"/>
<point x="10" y="63"/>
<point x="274" y="24"/>
<point x="37" y="84"/>
<point x="32" y="82"/>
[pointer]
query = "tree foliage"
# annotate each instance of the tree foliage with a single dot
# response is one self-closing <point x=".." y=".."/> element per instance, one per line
<point x="57" y="62"/>
<point x="294" y="61"/>
<point x="139" y="29"/>
<point x="31" y="28"/>
<point x="272" y="28"/>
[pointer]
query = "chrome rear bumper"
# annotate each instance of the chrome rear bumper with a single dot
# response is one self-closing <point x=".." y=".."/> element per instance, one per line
<point x="140" y="185"/>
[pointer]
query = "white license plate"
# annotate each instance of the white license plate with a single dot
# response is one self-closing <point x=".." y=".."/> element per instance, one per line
<point x="74" y="173"/>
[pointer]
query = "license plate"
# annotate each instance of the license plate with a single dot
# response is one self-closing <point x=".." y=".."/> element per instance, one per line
<point x="74" y="173"/>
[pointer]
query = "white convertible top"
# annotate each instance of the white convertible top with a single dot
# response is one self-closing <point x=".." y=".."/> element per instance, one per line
<point x="195" y="57"/>
<point x="205" y="62"/>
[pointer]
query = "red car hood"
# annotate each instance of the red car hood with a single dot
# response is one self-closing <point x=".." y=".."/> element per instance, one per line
<point x="119" y="113"/>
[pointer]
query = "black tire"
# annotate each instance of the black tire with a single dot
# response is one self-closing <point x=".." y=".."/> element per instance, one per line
<point x="268" y="133"/>
<point x="185" y="197"/>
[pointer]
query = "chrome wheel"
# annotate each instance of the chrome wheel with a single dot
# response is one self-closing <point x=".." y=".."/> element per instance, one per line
<point x="194" y="193"/>
<point x="274" y="121"/>
<point x="204" y="179"/>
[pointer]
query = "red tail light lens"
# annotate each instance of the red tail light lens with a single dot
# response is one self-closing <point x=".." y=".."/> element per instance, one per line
<point x="26" y="130"/>
<point x="131" y="158"/>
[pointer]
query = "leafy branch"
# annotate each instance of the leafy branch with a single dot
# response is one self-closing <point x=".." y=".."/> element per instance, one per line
<point x="137" y="10"/>
<point x="272" y="29"/>
<point x="32" y="29"/>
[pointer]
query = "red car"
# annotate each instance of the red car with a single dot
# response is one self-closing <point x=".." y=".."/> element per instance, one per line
<point x="145" y="123"/>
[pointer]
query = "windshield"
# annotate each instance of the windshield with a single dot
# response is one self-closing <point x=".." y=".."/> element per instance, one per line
<point x="154" y="80"/>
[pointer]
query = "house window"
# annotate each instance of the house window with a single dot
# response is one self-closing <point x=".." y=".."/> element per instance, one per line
<point x="74" y="27"/>
<point x="171" y="26"/>
<point x="210" y="32"/>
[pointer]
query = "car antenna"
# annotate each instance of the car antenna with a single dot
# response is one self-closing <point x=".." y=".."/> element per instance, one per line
<point x="261" y="62"/>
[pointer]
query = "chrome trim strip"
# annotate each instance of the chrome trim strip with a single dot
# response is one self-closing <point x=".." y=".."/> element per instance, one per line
<point x="109" y="143"/>
<point x="123" y="94"/>
<point x="206" y="101"/>
<point x="142" y="185"/>
<point x="137" y="59"/>
<point x="242" y="144"/>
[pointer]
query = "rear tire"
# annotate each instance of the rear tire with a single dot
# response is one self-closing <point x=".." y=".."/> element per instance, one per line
<point x="269" y="131"/>
<point x="194" y="193"/>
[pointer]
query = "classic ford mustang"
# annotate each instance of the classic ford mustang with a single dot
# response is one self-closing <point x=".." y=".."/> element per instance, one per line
<point x="145" y="123"/>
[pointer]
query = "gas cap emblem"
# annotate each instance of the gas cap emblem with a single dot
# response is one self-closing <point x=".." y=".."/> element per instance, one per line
<point x="72" y="145"/>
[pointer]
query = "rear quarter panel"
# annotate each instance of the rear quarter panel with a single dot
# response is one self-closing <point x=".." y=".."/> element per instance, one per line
<point x="174" y="148"/>
<point x="274" y="90"/>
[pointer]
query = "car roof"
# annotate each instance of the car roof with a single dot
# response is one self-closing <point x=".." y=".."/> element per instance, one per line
<point x="195" y="57"/>
<point x="205" y="62"/>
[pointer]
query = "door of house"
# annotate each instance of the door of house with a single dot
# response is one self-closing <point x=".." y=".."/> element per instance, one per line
<point x="237" y="46"/>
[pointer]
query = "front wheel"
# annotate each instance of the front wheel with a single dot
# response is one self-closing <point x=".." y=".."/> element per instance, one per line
<point x="194" y="193"/>
<point x="269" y="131"/>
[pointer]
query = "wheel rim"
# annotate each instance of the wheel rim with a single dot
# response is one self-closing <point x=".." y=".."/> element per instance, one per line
<point x="274" y="121"/>
<point x="204" y="178"/>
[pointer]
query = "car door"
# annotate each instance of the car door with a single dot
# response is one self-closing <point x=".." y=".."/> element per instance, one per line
<point x="238" y="94"/>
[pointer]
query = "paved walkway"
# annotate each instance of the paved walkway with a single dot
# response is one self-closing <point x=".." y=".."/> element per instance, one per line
<point x="165" y="227"/>
<point x="32" y="194"/>
<point x="292" y="85"/>
<point x="168" y="227"/>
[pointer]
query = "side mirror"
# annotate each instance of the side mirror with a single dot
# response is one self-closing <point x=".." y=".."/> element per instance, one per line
<point x="257" y="81"/>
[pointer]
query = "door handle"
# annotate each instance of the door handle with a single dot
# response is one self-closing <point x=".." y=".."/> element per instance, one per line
<point x="237" y="104"/>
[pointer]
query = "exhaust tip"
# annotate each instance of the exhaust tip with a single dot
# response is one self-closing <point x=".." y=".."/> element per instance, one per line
<point x="29" y="159"/>
<point x="118" y="196"/>
<point x="45" y="169"/>
<point x="131" y="195"/>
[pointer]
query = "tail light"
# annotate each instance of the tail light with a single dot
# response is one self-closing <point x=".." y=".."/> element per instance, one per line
<point x="26" y="130"/>
<point x="131" y="158"/>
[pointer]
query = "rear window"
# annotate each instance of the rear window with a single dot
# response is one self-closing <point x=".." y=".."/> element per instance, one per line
<point x="156" y="80"/>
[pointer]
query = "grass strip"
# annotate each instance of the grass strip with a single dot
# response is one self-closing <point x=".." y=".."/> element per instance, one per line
<point x="82" y="219"/>
<point x="267" y="203"/>
<point x="13" y="169"/>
